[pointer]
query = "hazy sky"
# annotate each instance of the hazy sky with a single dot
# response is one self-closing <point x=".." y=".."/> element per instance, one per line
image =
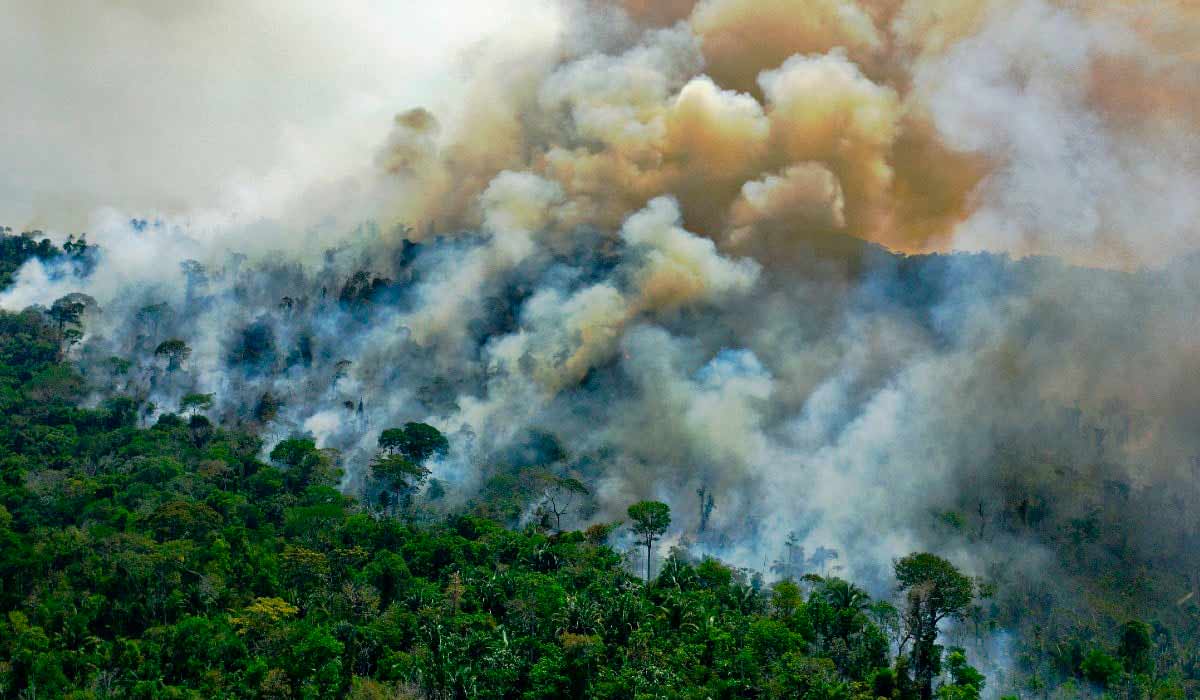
<point x="146" y="105"/>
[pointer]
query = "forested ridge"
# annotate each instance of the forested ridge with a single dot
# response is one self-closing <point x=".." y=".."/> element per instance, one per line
<point x="620" y="349"/>
<point x="172" y="562"/>
<point x="188" y="559"/>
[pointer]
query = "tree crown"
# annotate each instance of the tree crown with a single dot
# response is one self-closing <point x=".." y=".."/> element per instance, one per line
<point x="650" y="518"/>
<point x="949" y="591"/>
<point x="416" y="441"/>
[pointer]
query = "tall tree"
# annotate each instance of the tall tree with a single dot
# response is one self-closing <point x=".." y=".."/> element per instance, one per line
<point x="935" y="591"/>
<point x="66" y="311"/>
<point x="1136" y="647"/>
<point x="195" y="403"/>
<point x="706" y="507"/>
<point x="650" y="520"/>
<point x="196" y="276"/>
<point x="399" y="475"/>
<point x="399" y="466"/>
<point x="175" y="350"/>
<point x="416" y="441"/>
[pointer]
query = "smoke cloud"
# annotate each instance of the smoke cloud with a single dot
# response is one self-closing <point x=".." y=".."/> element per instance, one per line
<point x="242" y="109"/>
<point x="673" y="246"/>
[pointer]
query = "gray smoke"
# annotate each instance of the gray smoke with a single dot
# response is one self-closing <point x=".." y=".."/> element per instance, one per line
<point x="671" y="248"/>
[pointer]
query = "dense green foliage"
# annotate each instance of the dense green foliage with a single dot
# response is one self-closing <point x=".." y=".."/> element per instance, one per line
<point x="16" y="250"/>
<point x="179" y="560"/>
<point x="174" y="562"/>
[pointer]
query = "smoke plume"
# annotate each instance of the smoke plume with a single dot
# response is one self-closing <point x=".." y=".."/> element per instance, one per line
<point x="846" y="265"/>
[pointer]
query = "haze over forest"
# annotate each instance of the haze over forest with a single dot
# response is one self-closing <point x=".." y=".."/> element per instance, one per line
<point x="836" y="281"/>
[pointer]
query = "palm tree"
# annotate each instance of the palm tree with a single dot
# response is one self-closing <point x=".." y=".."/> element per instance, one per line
<point x="844" y="596"/>
<point x="849" y="604"/>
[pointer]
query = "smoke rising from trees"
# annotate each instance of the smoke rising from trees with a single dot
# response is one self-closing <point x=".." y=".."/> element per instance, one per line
<point x="671" y="239"/>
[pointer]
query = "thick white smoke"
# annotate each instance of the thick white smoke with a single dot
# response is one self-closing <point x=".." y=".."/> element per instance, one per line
<point x="659" y="233"/>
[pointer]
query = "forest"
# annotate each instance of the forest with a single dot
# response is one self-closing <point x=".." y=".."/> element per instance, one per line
<point x="621" y="349"/>
<point x="190" y="559"/>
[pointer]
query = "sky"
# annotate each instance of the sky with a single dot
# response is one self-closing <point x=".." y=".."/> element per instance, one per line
<point x="237" y="106"/>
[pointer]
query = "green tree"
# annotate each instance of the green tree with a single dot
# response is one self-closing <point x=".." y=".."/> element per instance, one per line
<point x="935" y="591"/>
<point x="967" y="683"/>
<point x="399" y="465"/>
<point x="415" y="441"/>
<point x="650" y="520"/>
<point x="68" y="310"/>
<point x="175" y="351"/>
<point x="71" y="337"/>
<point x="399" y="475"/>
<point x="1101" y="668"/>
<point x="1136" y="647"/>
<point x="305" y="464"/>
<point x="195" y="403"/>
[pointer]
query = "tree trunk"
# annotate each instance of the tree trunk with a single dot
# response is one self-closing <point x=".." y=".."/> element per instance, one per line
<point x="925" y="663"/>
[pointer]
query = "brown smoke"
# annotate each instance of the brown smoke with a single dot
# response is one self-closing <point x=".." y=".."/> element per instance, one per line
<point x="643" y="227"/>
<point x="777" y="123"/>
<point x="658" y="12"/>
<point x="742" y="38"/>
